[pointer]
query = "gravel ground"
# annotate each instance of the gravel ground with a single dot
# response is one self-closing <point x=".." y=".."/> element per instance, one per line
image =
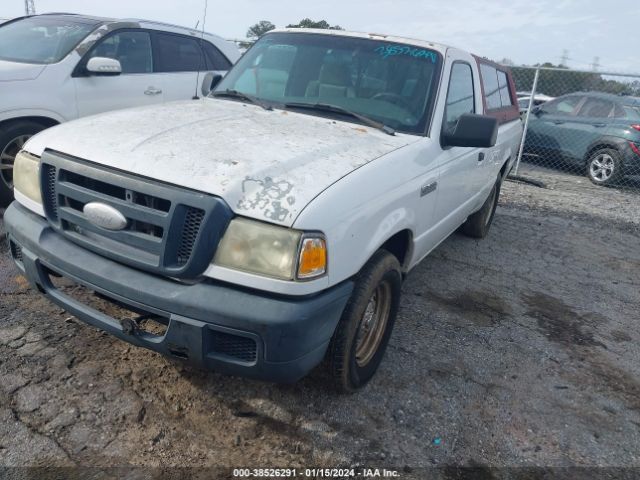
<point x="572" y="195"/>
<point x="520" y="350"/>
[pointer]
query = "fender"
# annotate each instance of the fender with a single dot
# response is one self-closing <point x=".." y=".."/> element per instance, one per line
<point x="607" y="141"/>
<point x="32" y="112"/>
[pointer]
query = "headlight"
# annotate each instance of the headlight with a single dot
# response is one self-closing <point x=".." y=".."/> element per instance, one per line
<point x="273" y="251"/>
<point x="26" y="176"/>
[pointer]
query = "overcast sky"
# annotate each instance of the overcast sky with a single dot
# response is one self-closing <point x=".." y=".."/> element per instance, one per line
<point x="526" y="31"/>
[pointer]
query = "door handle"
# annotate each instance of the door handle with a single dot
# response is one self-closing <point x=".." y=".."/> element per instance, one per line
<point x="558" y="122"/>
<point x="152" y="91"/>
<point x="481" y="156"/>
<point x="599" y="125"/>
<point x="427" y="189"/>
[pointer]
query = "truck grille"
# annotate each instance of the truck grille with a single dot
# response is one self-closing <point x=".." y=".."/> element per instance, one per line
<point x="49" y="189"/>
<point x="169" y="230"/>
<point x="189" y="234"/>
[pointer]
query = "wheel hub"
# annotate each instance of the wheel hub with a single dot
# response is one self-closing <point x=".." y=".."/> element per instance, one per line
<point x="602" y="167"/>
<point x="8" y="157"/>
<point x="373" y="324"/>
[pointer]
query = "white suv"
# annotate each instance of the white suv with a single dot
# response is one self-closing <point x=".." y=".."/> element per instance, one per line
<point x="270" y="225"/>
<point x="58" y="67"/>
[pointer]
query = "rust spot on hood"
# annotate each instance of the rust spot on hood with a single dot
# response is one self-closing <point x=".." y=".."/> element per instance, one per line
<point x="270" y="196"/>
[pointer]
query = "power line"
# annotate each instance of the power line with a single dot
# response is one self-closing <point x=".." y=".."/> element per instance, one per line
<point x="564" y="59"/>
<point x="29" y="7"/>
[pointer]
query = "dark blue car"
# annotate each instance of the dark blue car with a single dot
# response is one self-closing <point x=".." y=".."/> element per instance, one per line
<point x="598" y="132"/>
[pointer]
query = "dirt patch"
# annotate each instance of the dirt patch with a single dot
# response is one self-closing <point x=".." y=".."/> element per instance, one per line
<point x="619" y="336"/>
<point x="607" y="376"/>
<point x="482" y="309"/>
<point x="560" y="323"/>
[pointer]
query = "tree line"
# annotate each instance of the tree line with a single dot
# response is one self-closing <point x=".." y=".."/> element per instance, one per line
<point x="563" y="81"/>
<point x="264" y="26"/>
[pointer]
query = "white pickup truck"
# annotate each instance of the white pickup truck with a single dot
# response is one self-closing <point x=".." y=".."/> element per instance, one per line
<point x="58" y="67"/>
<point x="269" y="226"/>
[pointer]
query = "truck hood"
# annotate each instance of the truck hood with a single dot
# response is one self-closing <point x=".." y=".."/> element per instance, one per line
<point x="266" y="164"/>
<point x="14" y="71"/>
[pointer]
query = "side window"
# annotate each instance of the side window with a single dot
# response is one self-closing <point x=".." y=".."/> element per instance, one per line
<point x="460" y="97"/>
<point x="503" y="84"/>
<point x="491" y="87"/>
<point x="215" y="59"/>
<point x="496" y="88"/>
<point x="562" y="106"/>
<point x="632" y="112"/>
<point x="176" y="53"/>
<point x="596" y="108"/>
<point x="131" y="49"/>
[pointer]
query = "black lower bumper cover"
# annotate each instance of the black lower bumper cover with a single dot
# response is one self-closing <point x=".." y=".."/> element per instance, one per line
<point x="291" y="334"/>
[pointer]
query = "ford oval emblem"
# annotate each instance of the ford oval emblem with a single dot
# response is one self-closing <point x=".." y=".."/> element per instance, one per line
<point x="105" y="216"/>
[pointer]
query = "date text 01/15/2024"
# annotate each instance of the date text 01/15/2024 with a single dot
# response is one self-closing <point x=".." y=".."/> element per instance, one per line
<point x="314" y="473"/>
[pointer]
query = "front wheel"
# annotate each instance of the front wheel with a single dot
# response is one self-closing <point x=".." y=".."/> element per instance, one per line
<point x="362" y="335"/>
<point x="12" y="139"/>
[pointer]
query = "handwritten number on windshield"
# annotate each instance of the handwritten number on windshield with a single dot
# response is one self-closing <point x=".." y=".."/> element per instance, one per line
<point x="387" y="51"/>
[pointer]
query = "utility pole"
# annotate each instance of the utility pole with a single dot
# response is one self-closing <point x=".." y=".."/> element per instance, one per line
<point x="29" y="7"/>
<point x="564" y="60"/>
<point x="596" y="63"/>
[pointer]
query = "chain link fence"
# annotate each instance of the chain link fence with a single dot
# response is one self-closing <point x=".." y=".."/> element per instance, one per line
<point x="583" y="123"/>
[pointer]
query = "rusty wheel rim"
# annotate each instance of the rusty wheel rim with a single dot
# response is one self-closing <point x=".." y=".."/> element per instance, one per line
<point x="373" y="324"/>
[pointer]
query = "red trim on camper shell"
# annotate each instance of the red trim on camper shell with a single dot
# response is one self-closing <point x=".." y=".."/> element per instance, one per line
<point x="507" y="114"/>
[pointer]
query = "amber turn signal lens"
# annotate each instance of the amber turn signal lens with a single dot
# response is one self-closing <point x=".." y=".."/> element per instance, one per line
<point x="313" y="258"/>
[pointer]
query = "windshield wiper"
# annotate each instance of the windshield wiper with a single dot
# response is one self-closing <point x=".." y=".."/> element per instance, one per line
<point x="327" y="107"/>
<point x="244" y="96"/>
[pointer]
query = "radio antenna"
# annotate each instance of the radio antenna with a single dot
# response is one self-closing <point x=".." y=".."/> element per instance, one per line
<point x="204" y="21"/>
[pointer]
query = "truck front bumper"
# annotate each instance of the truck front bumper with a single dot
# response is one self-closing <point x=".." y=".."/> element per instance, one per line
<point x="213" y="325"/>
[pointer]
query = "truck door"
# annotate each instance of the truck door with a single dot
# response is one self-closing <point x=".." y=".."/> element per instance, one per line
<point x="593" y="121"/>
<point x="460" y="167"/>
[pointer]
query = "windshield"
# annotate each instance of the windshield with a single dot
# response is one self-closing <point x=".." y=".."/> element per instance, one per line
<point x="41" y="39"/>
<point x="388" y="82"/>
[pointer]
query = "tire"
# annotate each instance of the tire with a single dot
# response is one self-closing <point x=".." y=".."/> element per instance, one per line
<point x="354" y="355"/>
<point x="479" y="224"/>
<point x="604" y="167"/>
<point x="12" y="138"/>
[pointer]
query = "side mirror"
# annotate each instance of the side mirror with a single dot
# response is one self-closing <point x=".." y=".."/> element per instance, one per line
<point x="210" y="82"/>
<point x="104" y="66"/>
<point x="477" y="131"/>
